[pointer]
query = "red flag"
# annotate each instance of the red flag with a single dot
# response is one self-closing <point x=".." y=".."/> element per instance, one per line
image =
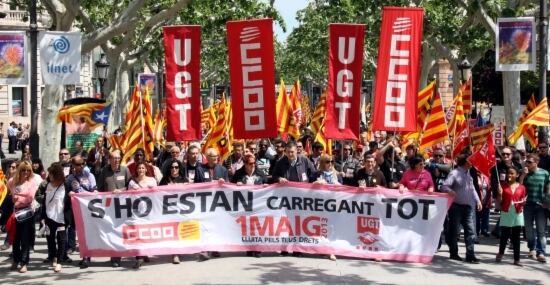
<point x="484" y="159"/>
<point x="183" y="103"/>
<point x="344" y="81"/>
<point x="461" y="141"/>
<point x="252" y="74"/>
<point x="398" y="69"/>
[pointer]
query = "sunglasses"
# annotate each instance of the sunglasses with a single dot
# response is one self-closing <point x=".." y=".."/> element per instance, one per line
<point x="329" y="161"/>
<point x="175" y="167"/>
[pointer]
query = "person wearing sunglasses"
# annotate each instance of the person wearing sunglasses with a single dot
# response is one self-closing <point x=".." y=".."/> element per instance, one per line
<point x="347" y="164"/>
<point x="22" y="188"/>
<point x="438" y="168"/>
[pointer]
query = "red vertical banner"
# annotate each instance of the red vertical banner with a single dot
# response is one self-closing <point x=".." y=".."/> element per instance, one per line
<point x="252" y="74"/>
<point x="182" y="46"/>
<point x="344" y="81"/>
<point x="398" y="69"/>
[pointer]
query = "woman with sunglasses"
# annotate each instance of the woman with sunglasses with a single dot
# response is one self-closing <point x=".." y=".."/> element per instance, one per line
<point x="327" y="175"/>
<point x="174" y="175"/>
<point x="22" y="188"/>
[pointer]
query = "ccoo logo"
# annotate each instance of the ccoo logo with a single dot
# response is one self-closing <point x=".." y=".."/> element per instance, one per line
<point x="61" y="45"/>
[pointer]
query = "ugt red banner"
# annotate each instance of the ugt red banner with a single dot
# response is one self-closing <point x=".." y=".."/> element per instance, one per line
<point x="252" y="74"/>
<point x="398" y="69"/>
<point x="182" y="46"/>
<point x="344" y="81"/>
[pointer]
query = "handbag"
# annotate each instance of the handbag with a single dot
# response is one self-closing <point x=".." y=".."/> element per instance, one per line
<point x="24" y="214"/>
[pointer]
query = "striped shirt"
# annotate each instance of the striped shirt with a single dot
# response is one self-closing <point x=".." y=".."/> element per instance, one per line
<point x="536" y="183"/>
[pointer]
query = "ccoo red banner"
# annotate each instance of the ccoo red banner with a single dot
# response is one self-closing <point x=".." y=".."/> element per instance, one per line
<point x="344" y="81"/>
<point x="398" y="69"/>
<point x="182" y="46"/>
<point x="252" y="74"/>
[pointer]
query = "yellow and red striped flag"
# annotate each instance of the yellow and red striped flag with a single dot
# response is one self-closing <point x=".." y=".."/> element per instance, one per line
<point x="84" y="111"/>
<point x="3" y="187"/>
<point x="466" y="88"/>
<point x="322" y="139"/>
<point x="115" y="142"/>
<point x="295" y="100"/>
<point x="160" y="126"/>
<point x="220" y="136"/>
<point x="538" y="117"/>
<point x="319" y="114"/>
<point x="479" y="135"/>
<point x="435" y="129"/>
<point x="457" y="121"/>
<point x="139" y="126"/>
<point x="529" y="133"/>
<point x="285" y="114"/>
<point x="424" y="98"/>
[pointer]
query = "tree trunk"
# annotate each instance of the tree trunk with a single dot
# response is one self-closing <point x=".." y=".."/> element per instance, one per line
<point x="428" y="62"/>
<point x="50" y="128"/>
<point x="511" y="87"/>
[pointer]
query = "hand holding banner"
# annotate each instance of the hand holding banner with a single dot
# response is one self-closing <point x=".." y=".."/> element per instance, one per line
<point x="183" y="103"/>
<point x="340" y="220"/>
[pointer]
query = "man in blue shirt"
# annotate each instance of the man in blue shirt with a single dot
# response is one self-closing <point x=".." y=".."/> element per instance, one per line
<point x="460" y="184"/>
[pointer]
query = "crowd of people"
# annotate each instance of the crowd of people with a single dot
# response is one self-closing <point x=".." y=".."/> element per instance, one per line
<point x="517" y="188"/>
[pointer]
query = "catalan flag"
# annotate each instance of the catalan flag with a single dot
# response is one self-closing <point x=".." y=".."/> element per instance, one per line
<point x="457" y="121"/>
<point x="319" y="114"/>
<point x="160" y="126"/>
<point x="435" y="129"/>
<point x="220" y="136"/>
<point x="479" y="135"/>
<point x="424" y="98"/>
<point x="285" y="114"/>
<point x="322" y="139"/>
<point x="138" y="132"/>
<point x="85" y="111"/>
<point x="295" y="100"/>
<point x="466" y="88"/>
<point x="538" y="117"/>
<point x="529" y="132"/>
<point x="3" y="187"/>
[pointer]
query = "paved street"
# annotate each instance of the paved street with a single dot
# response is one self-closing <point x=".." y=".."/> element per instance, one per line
<point x="236" y="268"/>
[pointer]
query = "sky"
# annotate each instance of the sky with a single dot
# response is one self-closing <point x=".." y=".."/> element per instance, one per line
<point x="288" y="9"/>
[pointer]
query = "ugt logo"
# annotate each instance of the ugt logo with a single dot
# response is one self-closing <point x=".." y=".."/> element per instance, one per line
<point x="368" y="229"/>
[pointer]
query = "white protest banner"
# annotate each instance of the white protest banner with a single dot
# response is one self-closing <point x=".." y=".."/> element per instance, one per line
<point x="60" y="57"/>
<point x="309" y="218"/>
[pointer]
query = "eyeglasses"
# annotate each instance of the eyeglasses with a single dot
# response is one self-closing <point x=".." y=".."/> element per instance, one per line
<point x="329" y="161"/>
<point x="506" y="153"/>
<point x="529" y="161"/>
<point x="175" y="167"/>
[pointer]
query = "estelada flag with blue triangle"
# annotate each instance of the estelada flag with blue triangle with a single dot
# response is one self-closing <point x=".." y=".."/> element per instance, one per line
<point x="93" y="114"/>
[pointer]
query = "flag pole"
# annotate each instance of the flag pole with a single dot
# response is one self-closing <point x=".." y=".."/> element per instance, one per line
<point x="141" y="119"/>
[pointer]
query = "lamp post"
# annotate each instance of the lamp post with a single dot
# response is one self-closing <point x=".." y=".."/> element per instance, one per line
<point x="33" y="32"/>
<point x="101" y="69"/>
<point x="464" y="66"/>
<point x="543" y="64"/>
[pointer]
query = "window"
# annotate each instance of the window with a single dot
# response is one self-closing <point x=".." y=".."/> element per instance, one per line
<point x="18" y="101"/>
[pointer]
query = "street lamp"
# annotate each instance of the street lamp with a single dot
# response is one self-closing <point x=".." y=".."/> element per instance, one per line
<point x="464" y="66"/>
<point x="101" y="69"/>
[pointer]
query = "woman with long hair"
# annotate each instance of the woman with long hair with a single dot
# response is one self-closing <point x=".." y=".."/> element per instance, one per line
<point x="22" y="188"/>
<point x="56" y="214"/>
<point x="38" y="168"/>
<point x="140" y="180"/>
<point x="513" y="196"/>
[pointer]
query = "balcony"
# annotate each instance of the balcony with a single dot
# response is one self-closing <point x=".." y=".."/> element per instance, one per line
<point x="19" y="20"/>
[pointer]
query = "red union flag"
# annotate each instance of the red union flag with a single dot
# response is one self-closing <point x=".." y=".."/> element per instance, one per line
<point x="252" y="74"/>
<point x="398" y="69"/>
<point x="344" y="81"/>
<point x="183" y="103"/>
